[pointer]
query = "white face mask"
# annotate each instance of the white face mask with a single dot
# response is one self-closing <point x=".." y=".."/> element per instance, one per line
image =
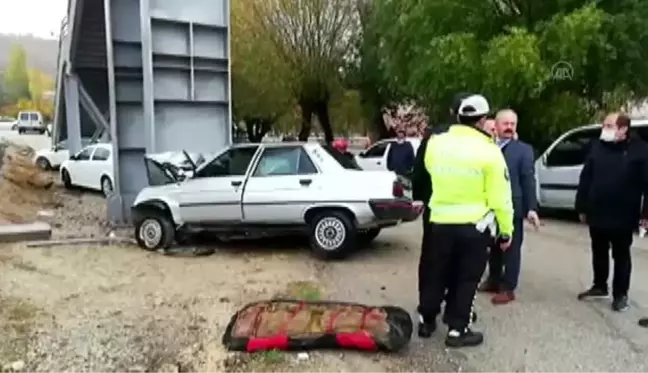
<point x="608" y="135"/>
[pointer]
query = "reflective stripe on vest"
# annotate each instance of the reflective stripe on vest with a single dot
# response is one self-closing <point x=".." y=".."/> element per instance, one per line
<point x="469" y="209"/>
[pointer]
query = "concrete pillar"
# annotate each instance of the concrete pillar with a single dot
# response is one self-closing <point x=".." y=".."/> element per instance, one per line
<point x="73" y="114"/>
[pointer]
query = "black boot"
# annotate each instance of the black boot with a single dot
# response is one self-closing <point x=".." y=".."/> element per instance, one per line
<point x="426" y="327"/>
<point x="468" y="338"/>
<point x="473" y="318"/>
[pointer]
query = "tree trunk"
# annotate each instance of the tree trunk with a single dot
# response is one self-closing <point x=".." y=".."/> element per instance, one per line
<point x="307" y="121"/>
<point x="322" y="112"/>
<point x="257" y="128"/>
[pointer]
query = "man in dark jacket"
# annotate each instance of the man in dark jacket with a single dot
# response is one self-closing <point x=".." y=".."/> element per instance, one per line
<point x="504" y="267"/>
<point x="609" y="199"/>
<point x="422" y="191"/>
<point x="401" y="155"/>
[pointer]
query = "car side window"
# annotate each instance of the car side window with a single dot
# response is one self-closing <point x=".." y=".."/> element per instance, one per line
<point x="284" y="161"/>
<point x="234" y="162"/>
<point x="572" y="150"/>
<point x="101" y="154"/>
<point x="24" y="116"/>
<point x="377" y="150"/>
<point x="84" y="155"/>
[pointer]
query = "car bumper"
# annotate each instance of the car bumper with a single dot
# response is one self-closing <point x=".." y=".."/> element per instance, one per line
<point x="398" y="210"/>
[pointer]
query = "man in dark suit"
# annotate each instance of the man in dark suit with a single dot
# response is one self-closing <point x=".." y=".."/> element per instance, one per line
<point x="504" y="266"/>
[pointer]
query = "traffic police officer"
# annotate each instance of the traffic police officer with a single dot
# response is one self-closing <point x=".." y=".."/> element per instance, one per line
<point x="472" y="195"/>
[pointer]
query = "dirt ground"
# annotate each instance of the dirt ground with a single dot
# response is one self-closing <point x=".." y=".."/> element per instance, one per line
<point x="119" y="308"/>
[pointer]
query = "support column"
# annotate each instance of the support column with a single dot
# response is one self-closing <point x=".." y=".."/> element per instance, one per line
<point x="73" y="114"/>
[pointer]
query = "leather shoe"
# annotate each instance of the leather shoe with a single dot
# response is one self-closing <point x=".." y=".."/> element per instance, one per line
<point x="503" y="297"/>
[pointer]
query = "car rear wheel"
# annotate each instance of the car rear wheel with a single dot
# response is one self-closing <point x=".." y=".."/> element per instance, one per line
<point x="21" y="131"/>
<point x="332" y="235"/>
<point x="65" y="178"/>
<point x="106" y="186"/>
<point x="43" y="163"/>
<point x="368" y="235"/>
<point x="154" y="230"/>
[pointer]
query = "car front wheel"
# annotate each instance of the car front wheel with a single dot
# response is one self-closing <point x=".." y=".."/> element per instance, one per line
<point x="106" y="186"/>
<point x="154" y="231"/>
<point x="332" y="235"/>
<point x="65" y="178"/>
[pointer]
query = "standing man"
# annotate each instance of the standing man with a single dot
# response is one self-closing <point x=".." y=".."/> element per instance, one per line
<point x="422" y="191"/>
<point x="471" y="191"/>
<point x="489" y="126"/>
<point x="609" y="199"/>
<point x="504" y="267"/>
<point x="401" y="155"/>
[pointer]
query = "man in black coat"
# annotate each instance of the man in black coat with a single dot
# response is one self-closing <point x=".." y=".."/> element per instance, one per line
<point x="422" y="191"/>
<point x="609" y="199"/>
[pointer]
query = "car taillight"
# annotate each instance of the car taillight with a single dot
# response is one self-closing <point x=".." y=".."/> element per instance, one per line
<point x="398" y="189"/>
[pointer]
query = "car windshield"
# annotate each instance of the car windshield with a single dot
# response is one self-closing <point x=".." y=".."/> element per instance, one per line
<point x="345" y="160"/>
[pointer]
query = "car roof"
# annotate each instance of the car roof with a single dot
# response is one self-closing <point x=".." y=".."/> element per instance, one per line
<point x="635" y="123"/>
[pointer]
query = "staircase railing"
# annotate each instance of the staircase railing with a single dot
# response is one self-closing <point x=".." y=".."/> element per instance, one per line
<point x="63" y="56"/>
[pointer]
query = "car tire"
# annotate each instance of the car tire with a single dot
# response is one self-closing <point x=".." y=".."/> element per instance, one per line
<point x="106" y="186"/>
<point x="65" y="179"/>
<point x="367" y="236"/>
<point x="21" y="131"/>
<point x="332" y="235"/>
<point x="42" y="132"/>
<point x="43" y="164"/>
<point x="154" y="230"/>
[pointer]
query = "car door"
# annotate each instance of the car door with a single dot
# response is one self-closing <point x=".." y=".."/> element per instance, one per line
<point x="558" y="170"/>
<point x="213" y="194"/>
<point x="79" y="167"/>
<point x="99" y="165"/>
<point x="285" y="181"/>
<point x="375" y="158"/>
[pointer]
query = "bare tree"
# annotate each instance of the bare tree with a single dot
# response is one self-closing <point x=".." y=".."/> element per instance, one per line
<point x="313" y="37"/>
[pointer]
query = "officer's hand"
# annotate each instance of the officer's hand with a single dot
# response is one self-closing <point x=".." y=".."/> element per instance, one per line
<point x="504" y="242"/>
<point x="582" y="218"/>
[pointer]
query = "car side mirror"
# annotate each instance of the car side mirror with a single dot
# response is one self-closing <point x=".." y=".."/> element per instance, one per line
<point x="73" y="157"/>
<point x="362" y="154"/>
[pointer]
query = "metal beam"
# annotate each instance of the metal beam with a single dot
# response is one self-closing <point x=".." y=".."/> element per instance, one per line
<point x="72" y="111"/>
<point x="91" y="108"/>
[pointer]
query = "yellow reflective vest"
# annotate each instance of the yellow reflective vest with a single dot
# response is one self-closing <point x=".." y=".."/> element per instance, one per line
<point x="469" y="179"/>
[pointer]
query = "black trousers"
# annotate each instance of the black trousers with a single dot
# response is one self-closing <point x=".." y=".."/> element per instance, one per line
<point x="504" y="266"/>
<point x="619" y="240"/>
<point x="455" y="252"/>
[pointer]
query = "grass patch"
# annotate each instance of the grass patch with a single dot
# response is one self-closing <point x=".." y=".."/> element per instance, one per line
<point x="264" y="361"/>
<point x="304" y="290"/>
<point x="17" y="320"/>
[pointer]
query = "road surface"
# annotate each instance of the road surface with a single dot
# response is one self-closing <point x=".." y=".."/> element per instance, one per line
<point x="36" y="141"/>
<point x="546" y="329"/>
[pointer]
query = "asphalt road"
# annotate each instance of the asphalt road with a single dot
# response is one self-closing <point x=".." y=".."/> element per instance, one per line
<point x="546" y="329"/>
<point x="36" y="141"/>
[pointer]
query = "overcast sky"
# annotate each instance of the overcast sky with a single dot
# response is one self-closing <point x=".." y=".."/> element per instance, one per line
<point x="38" y="17"/>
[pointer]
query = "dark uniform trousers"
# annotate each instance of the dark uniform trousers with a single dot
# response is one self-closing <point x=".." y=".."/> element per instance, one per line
<point x="455" y="251"/>
<point x="620" y="240"/>
<point x="504" y="266"/>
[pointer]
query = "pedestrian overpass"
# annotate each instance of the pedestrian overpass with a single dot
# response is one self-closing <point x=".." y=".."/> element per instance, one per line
<point x="149" y="76"/>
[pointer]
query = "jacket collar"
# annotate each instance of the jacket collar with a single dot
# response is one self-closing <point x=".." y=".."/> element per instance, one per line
<point x="464" y="130"/>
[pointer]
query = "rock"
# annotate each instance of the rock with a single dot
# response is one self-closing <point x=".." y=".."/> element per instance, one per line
<point x="302" y="356"/>
<point x="16" y="366"/>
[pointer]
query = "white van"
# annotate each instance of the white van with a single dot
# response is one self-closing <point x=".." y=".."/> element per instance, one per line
<point x="558" y="169"/>
<point x="31" y="121"/>
<point x="375" y="157"/>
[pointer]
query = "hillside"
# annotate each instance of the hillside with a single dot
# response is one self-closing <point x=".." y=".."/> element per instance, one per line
<point x="41" y="53"/>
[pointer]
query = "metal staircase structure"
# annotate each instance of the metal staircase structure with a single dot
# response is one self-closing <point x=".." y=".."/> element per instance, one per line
<point x="148" y="75"/>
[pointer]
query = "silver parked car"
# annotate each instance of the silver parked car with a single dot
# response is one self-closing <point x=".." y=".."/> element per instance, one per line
<point x="558" y="169"/>
<point x="260" y="190"/>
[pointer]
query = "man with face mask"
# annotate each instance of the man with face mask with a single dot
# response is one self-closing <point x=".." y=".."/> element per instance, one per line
<point x="609" y="199"/>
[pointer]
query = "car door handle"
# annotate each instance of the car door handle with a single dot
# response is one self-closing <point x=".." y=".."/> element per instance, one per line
<point x="379" y="162"/>
<point x="236" y="183"/>
<point x="305" y="182"/>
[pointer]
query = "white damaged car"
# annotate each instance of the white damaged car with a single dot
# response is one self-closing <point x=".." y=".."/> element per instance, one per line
<point x="262" y="190"/>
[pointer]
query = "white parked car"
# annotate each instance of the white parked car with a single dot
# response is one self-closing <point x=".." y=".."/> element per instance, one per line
<point x="558" y="169"/>
<point x="91" y="168"/>
<point x="52" y="158"/>
<point x="258" y="190"/>
<point x="375" y="157"/>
